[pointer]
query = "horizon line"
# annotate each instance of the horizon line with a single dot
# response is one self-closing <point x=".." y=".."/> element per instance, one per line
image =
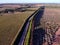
<point x="30" y="3"/>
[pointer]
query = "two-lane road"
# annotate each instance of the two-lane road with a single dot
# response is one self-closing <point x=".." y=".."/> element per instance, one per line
<point x="36" y="35"/>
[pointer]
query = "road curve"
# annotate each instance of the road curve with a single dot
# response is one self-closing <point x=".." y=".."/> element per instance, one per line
<point x="37" y="34"/>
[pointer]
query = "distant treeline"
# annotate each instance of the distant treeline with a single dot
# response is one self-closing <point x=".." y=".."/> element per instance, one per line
<point x="21" y="9"/>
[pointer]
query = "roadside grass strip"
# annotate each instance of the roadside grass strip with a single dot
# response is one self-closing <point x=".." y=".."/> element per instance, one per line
<point x="26" y="42"/>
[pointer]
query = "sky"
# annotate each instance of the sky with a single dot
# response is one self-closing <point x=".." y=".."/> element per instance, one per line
<point x="29" y="1"/>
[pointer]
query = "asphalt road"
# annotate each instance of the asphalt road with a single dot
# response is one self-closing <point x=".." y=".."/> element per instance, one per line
<point x="23" y="35"/>
<point x="37" y="34"/>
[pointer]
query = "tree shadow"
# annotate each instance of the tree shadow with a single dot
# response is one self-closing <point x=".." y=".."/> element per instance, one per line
<point x="38" y="34"/>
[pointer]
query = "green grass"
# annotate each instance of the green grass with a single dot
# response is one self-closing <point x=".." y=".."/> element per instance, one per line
<point x="28" y="34"/>
<point x="10" y="25"/>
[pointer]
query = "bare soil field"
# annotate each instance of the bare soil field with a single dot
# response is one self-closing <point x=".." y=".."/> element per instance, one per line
<point x="51" y="23"/>
<point x="10" y="25"/>
<point x="52" y="14"/>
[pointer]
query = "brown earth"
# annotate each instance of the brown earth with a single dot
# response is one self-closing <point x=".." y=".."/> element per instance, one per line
<point x="53" y="15"/>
